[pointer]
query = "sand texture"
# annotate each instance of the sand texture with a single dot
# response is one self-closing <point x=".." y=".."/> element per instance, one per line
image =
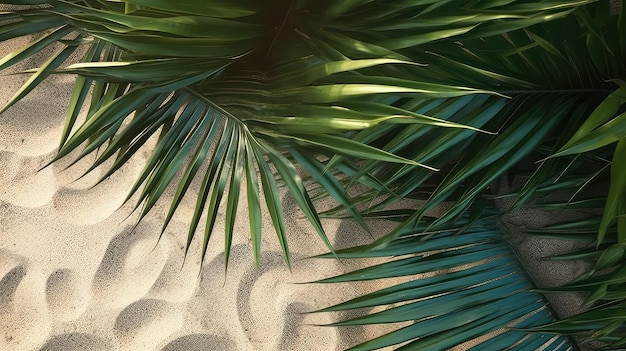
<point x="77" y="274"/>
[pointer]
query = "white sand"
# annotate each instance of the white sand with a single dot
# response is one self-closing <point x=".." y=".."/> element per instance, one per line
<point x="76" y="275"/>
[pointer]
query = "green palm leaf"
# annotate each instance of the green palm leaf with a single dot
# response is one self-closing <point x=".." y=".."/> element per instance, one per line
<point x="464" y="286"/>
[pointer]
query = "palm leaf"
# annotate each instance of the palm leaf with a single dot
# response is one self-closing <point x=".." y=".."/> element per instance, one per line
<point x="463" y="286"/>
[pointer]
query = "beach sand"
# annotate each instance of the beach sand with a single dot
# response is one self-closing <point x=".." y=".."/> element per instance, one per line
<point x="77" y="274"/>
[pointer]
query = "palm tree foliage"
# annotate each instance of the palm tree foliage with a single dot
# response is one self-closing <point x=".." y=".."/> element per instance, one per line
<point x="423" y="99"/>
<point x="561" y="130"/>
<point x="233" y="73"/>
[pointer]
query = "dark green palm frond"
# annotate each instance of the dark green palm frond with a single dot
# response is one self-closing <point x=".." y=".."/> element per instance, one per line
<point x="562" y="129"/>
<point x="606" y="126"/>
<point x="463" y="285"/>
<point x="564" y="99"/>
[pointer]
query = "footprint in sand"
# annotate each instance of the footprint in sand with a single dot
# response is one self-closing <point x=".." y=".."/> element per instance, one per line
<point x="200" y="342"/>
<point x="33" y="126"/>
<point x="85" y="207"/>
<point x="178" y="280"/>
<point x="267" y="303"/>
<point x="266" y="314"/>
<point x="93" y="205"/>
<point x="70" y="171"/>
<point x="67" y="296"/>
<point x="77" y="342"/>
<point x="297" y="335"/>
<point x="131" y="265"/>
<point x="35" y="189"/>
<point x="85" y="203"/>
<point x="147" y="323"/>
<point x="24" y="319"/>
<point x="11" y="166"/>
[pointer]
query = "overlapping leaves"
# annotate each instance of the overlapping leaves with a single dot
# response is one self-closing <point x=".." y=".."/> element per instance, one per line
<point x="194" y="79"/>
<point x="382" y="93"/>
<point x="561" y="131"/>
<point x="465" y="287"/>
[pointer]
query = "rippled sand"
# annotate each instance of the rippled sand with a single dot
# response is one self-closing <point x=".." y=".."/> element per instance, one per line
<point x="77" y="274"/>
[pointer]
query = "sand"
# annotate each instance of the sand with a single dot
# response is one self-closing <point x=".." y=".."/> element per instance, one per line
<point x="77" y="274"/>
